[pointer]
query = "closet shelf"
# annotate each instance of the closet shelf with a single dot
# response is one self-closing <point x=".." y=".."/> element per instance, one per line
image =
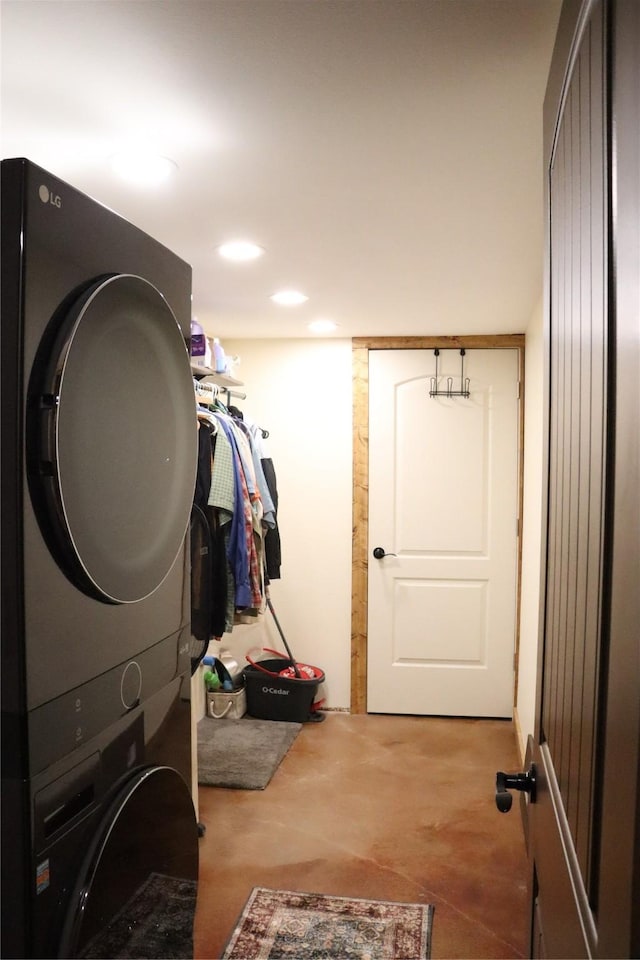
<point x="222" y="379"/>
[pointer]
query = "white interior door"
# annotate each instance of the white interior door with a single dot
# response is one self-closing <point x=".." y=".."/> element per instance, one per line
<point x="443" y="482"/>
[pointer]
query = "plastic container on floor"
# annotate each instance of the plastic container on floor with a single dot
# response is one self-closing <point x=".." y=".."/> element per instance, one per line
<point x="223" y="705"/>
<point x="274" y="697"/>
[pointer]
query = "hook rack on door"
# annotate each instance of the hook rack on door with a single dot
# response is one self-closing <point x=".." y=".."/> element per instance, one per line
<point x="465" y="382"/>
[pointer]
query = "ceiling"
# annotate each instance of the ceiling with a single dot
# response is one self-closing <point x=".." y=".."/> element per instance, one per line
<point x="385" y="153"/>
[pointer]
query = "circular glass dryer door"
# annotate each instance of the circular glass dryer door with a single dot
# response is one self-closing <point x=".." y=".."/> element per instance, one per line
<point x="112" y="439"/>
<point x="136" y="891"/>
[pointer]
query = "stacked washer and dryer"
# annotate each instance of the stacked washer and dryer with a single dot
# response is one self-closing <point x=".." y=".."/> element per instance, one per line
<point x="99" y="834"/>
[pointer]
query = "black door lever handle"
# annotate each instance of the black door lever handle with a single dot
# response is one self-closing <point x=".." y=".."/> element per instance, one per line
<point x="524" y="782"/>
<point x="380" y="552"/>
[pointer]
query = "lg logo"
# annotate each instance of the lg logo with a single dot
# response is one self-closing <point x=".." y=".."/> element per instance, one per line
<point x="47" y="197"/>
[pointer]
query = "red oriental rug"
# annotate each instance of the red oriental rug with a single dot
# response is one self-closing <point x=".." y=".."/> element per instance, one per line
<point x="285" y="925"/>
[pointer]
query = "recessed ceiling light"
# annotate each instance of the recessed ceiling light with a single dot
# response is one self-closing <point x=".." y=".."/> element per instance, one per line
<point x="240" y="250"/>
<point x="322" y="326"/>
<point x="289" y="298"/>
<point x="142" y="168"/>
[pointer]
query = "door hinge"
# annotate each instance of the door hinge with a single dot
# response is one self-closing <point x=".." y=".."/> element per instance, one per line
<point x="517" y="389"/>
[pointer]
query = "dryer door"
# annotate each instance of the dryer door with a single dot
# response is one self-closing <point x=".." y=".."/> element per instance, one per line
<point x="112" y="439"/>
<point x="136" y="891"/>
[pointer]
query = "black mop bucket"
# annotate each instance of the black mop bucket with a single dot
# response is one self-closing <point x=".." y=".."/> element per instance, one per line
<point x="270" y="696"/>
<point x="282" y="689"/>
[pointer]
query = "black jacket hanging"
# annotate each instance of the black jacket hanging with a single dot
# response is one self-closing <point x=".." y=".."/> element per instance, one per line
<point x="206" y="447"/>
<point x="201" y="593"/>
<point x="272" y="537"/>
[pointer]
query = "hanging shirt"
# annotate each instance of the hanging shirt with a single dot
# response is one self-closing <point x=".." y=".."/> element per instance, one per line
<point x="272" y="538"/>
<point x="237" y="547"/>
<point x="268" y="508"/>
<point x="222" y="490"/>
<point x="203" y="471"/>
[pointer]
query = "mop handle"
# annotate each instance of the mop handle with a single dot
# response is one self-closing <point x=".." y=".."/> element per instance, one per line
<point x="284" y="639"/>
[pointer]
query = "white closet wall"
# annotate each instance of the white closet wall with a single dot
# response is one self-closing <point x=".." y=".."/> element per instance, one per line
<point x="300" y="391"/>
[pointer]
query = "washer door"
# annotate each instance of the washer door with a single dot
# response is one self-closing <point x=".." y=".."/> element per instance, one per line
<point x="136" y="891"/>
<point x="112" y="438"/>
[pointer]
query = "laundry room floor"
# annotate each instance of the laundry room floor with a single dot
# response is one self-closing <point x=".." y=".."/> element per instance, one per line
<point x="381" y="807"/>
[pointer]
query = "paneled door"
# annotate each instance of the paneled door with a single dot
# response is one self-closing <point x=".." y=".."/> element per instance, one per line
<point x="442" y="557"/>
<point x="584" y="809"/>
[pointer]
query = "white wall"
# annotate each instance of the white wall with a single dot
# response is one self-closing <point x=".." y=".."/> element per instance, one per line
<point x="300" y="390"/>
<point x="531" y="524"/>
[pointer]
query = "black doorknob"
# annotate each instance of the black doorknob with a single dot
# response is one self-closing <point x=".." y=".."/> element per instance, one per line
<point x="524" y="782"/>
<point x="380" y="552"/>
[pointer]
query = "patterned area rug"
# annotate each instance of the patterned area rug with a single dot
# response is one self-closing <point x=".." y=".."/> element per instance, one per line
<point x="156" y="923"/>
<point x="283" y="925"/>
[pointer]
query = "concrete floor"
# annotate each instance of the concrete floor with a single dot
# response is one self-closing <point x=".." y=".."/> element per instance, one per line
<point x="382" y="807"/>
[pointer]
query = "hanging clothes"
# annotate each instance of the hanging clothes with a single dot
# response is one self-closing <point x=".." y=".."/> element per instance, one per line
<point x="208" y="442"/>
<point x="252" y="512"/>
<point x="272" y="548"/>
<point x="238" y="498"/>
<point x="273" y="556"/>
<point x="201" y="580"/>
<point x="268" y="508"/>
<point x="237" y="544"/>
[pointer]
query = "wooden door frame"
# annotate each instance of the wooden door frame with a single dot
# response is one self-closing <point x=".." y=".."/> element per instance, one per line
<point x="360" y="583"/>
